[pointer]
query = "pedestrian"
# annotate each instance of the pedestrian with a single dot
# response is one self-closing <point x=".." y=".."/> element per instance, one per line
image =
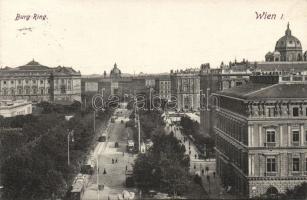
<point x="189" y="152"/>
<point x="126" y="167"/>
<point x="112" y="161"/>
<point x="202" y="171"/>
<point x="194" y="166"/>
<point x="104" y="171"/>
<point x="213" y="174"/>
<point x="195" y="156"/>
<point x="116" y="160"/>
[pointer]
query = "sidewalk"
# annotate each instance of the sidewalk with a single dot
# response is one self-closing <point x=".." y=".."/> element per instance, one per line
<point x="216" y="190"/>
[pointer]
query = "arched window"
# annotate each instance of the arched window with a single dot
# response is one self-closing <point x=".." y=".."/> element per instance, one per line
<point x="272" y="191"/>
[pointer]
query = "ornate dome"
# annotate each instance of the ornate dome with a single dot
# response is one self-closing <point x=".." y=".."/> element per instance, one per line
<point x="288" y="41"/>
<point x="115" y="72"/>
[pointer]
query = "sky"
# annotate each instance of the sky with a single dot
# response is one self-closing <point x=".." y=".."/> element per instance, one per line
<point x="149" y="36"/>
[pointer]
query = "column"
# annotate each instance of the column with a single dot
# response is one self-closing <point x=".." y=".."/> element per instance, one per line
<point x="302" y="134"/>
<point x="249" y="165"/>
<point x="280" y="135"/>
<point x="252" y="135"/>
<point x="192" y="102"/>
<point x="249" y="136"/>
<point x="182" y="101"/>
<point x="253" y="165"/>
<point x="302" y="163"/>
<point x="289" y="135"/>
<point x="260" y="136"/>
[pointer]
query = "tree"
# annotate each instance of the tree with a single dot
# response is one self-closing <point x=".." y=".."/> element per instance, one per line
<point x="164" y="167"/>
<point x="298" y="192"/>
<point x="55" y="183"/>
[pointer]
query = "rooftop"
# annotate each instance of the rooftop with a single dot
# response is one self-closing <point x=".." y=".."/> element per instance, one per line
<point x="5" y="104"/>
<point x="282" y="66"/>
<point x="255" y="91"/>
<point x="37" y="67"/>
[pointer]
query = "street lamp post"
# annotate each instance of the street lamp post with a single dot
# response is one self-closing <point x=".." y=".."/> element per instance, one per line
<point x="68" y="140"/>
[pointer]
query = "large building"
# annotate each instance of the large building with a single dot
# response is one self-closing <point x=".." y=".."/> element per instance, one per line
<point x="261" y="135"/>
<point x="36" y="82"/>
<point x="163" y="87"/>
<point x="287" y="48"/>
<point x="212" y="80"/>
<point x="185" y="87"/>
<point x="9" y="108"/>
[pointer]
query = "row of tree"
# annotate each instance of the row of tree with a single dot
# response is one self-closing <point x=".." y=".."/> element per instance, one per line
<point x="34" y="162"/>
<point x="164" y="167"/>
<point x="191" y="128"/>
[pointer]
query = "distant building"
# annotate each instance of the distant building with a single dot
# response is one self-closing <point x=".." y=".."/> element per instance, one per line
<point x="185" y="87"/>
<point x="287" y="48"/>
<point x="261" y="135"/>
<point x="36" y="82"/>
<point x="119" y="84"/>
<point x="9" y="108"/>
<point x="163" y="87"/>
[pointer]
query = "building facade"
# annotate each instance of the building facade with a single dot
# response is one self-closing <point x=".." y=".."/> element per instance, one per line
<point x="185" y="87"/>
<point x="212" y="80"/>
<point x="35" y="82"/>
<point x="163" y="87"/>
<point x="10" y="108"/>
<point x="261" y="136"/>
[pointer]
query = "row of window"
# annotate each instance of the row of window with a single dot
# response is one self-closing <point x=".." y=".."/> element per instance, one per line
<point x="271" y="165"/>
<point x="166" y="82"/>
<point x="295" y="136"/>
<point x="233" y="128"/>
<point x="34" y="81"/>
<point x="26" y="81"/>
<point x="275" y="112"/>
<point x="27" y="91"/>
<point x="234" y="154"/>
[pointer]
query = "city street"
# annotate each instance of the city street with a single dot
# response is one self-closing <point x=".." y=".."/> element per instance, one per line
<point x="112" y="173"/>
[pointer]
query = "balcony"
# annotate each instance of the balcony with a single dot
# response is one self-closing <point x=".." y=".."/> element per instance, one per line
<point x="296" y="144"/>
<point x="296" y="173"/>
<point x="270" y="144"/>
<point x="270" y="174"/>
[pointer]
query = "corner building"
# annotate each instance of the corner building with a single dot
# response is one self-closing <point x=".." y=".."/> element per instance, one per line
<point x="261" y="137"/>
<point x="36" y="83"/>
<point x="185" y="87"/>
